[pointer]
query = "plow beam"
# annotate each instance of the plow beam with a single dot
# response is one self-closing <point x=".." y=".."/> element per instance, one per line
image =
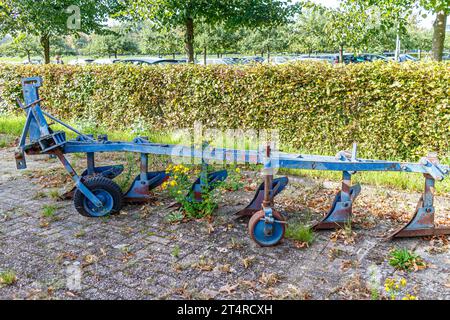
<point x="341" y="209"/>
<point x="255" y="205"/>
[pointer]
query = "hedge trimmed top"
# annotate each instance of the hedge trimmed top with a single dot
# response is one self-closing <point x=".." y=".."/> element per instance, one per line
<point x="392" y="110"/>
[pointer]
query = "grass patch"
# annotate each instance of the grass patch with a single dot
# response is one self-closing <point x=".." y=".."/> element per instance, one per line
<point x="49" y="210"/>
<point x="6" y="140"/>
<point x="403" y="259"/>
<point x="176" y="251"/>
<point x="7" y="277"/>
<point x="300" y="232"/>
<point x="54" y="194"/>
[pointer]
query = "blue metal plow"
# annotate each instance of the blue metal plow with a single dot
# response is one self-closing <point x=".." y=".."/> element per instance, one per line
<point x="96" y="194"/>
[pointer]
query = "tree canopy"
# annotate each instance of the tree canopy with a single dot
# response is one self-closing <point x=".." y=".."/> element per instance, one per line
<point x="48" y="19"/>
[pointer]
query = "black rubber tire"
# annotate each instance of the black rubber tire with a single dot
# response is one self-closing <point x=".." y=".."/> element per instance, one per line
<point x="95" y="183"/>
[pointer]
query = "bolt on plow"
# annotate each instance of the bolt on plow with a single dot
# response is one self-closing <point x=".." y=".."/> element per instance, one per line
<point x="96" y="194"/>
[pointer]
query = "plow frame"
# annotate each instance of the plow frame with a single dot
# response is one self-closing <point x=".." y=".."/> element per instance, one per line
<point x="43" y="140"/>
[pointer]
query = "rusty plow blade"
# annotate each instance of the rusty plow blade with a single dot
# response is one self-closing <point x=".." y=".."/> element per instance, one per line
<point x="255" y="205"/>
<point x="140" y="188"/>
<point x="341" y="210"/>
<point x="421" y="224"/>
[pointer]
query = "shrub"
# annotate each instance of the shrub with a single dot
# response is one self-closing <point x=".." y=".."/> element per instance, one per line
<point x="179" y="186"/>
<point x="403" y="259"/>
<point x="393" y="110"/>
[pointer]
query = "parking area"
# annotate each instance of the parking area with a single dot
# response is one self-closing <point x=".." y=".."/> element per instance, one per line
<point x="56" y="253"/>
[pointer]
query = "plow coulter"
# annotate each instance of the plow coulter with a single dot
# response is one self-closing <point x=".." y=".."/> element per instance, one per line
<point x="96" y="194"/>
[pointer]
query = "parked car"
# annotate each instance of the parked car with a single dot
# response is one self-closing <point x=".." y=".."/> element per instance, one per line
<point x="224" y="61"/>
<point x="81" y="61"/>
<point x="247" y="60"/>
<point x="105" y="61"/>
<point x="32" y="61"/>
<point x="150" y="61"/>
<point x="373" y="57"/>
<point x="401" y="57"/>
<point x="279" y="60"/>
<point x="446" y="57"/>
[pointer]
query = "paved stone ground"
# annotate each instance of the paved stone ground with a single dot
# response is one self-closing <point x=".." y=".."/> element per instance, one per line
<point x="139" y="255"/>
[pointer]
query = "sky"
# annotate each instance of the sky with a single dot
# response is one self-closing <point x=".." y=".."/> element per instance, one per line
<point x="425" y="23"/>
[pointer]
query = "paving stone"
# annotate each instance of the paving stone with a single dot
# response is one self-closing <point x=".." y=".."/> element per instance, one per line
<point x="134" y="255"/>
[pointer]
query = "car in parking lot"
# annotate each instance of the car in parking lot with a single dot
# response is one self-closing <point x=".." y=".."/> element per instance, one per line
<point x="32" y="61"/>
<point x="401" y="57"/>
<point x="105" y="61"/>
<point x="81" y="61"/>
<point x="150" y="61"/>
<point x="247" y="60"/>
<point x="373" y="57"/>
<point x="224" y="61"/>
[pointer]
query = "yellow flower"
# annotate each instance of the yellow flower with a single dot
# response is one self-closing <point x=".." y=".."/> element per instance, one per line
<point x="173" y="183"/>
<point x="409" y="297"/>
<point x="238" y="170"/>
<point x="164" y="185"/>
<point x="403" y="282"/>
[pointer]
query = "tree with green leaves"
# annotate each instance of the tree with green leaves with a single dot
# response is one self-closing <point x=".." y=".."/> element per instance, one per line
<point x="442" y="9"/>
<point x="51" y="19"/>
<point x="398" y="11"/>
<point x="308" y="32"/>
<point x="217" y="39"/>
<point x="348" y="26"/>
<point x="160" y="40"/>
<point x="233" y="13"/>
<point x="23" y="45"/>
<point x="116" y="41"/>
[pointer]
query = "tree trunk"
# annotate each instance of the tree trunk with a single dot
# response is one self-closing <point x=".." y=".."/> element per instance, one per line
<point x="189" y="40"/>
<point x="29" y="56"/>
<point x="268" y="54"/>
<point x="439" y="35"/>
<point x="205" y="54"/>
<point x="45" y="43"/>
<point x="173" y="56"/>
<point x="341" y="54"/>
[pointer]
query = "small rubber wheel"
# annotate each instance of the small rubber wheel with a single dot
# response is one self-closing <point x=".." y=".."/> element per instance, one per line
<point x="258" y="234"/>
<point x="106" y="190"/>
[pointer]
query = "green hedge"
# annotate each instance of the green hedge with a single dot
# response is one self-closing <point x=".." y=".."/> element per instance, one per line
<point x="393" y="110"/>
